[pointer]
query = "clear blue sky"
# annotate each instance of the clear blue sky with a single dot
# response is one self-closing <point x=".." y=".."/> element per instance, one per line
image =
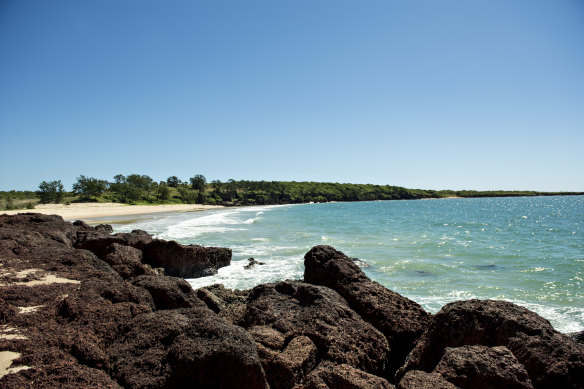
<point x="422" y="94"/>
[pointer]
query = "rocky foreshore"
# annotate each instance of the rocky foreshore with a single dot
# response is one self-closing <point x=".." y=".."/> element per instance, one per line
<point x="82" y="307"/>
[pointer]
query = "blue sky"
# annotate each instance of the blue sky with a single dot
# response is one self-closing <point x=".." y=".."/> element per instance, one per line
<point x="422" y="94"/>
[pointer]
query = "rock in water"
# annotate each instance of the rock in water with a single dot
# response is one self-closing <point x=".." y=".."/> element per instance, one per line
<point x="401" y="320"/>
<point x="185" y="261"/>
<point x="551" y="359"/>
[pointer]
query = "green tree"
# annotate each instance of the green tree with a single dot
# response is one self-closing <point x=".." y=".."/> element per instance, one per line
<point x="173" y="181"/>
<point x="51" y="192"/>
<point x="89" y="187"/>
<point x="187" y="195"/>
<point x="128" y="189"/>
<point x="162" y="192"/>
<point x="198" y="182"/>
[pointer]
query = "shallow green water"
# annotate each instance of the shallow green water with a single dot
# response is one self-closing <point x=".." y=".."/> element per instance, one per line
<point x="528" y="250"/>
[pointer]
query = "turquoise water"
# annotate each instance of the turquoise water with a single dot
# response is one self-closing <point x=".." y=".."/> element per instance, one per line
<point x="527" y="250"/>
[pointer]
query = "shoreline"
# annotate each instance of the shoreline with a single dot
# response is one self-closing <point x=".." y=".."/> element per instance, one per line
<point x="100" y="210"/>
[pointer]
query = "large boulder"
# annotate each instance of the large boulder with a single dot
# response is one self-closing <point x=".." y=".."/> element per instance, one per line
<point x="127" y="261"/>
<point x="552" y="361"/>
<point x="294" y="308"/>
<point x="185" y="261"/>
<point x="549" y="358"/>
<point x="483" y="367"/>
<point x="400" y="319"/>
<point x="186" y="348"/>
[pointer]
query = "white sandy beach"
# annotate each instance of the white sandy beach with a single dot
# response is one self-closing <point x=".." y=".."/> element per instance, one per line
<point x="91" y="210"/>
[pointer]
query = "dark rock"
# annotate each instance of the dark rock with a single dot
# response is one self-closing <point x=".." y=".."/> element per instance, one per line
<point x="252" y="263"/>
<point x="127" y="261"/>
<point x="82" y="226"/>
<point x="63" y="374"/>
<point x="168" y="292"/>
<point x="99" y="240"/>
<point x="328" y="375"/>
<point x="577" y="336"/>
<point x="51" y="227"/>
<point x="227" y="303"/>
<point x="267" y="337"/>
<point x="185" y="261"/>
<point x="543" y="352"/>
<point x="418" y="379"/>
<point x="208" y="272"/>
<point x="286" y="368"/>
<point x="101" y="308"/>
<point x="108" y="229"/>
<point x="552" y="361"/>
<point x="295" y="308"/>
<point x="186" y="348"/>
<point x="482" y="367"/>
<point x="401" y="320"/>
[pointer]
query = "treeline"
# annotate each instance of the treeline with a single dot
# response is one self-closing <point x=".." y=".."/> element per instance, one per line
<point x="136" y="189"/>
<point x="142" y="189"/>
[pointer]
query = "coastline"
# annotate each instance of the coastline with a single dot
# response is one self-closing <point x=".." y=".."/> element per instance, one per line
<point x="86" y="308"/>
<point x="97" y="210"/>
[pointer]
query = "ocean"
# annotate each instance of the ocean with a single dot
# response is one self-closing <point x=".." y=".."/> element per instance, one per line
<point x="527" y="250"/>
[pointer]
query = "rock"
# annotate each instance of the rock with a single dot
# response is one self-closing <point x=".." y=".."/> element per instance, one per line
<point x="482" y="367"/>
<point x="168" y="292"/>
<point x="213" y="302"/>
<point x="295" y="308"/>
<point x="127" y="261"/>
<point x="537" y="346"/>
<point x="252" y="263"/>
<point x="228" y="304"/>
<point x="101" y="308"/>
<point x="232" y="302"/>
<point x="108" y="229"/>
<point x="98" y="240"/>
<point x="186" y="348"/>
<point x="268" y="337"/>
<point x="284" y="369"/>
<point x="62" y="373"/>
<point x="51" y="227"/>
<point x="577" y="336"/>
<point x="417" y="379"/>
<point x="185" y="261"/>
<point x="343" y="376"/>
<point x="401" y="320"/>
<point x="82" y="226"/>
<point x="552" y="361"/>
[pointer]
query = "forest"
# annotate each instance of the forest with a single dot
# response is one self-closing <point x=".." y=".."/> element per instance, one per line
<point x="142" y="189"/>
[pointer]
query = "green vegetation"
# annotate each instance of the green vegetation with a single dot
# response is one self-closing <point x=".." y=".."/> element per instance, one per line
<point x="141" y="189"/>
<point x="89" y="188"/>
<point x="18" y="200"/>
<point x="51" y="192"/>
